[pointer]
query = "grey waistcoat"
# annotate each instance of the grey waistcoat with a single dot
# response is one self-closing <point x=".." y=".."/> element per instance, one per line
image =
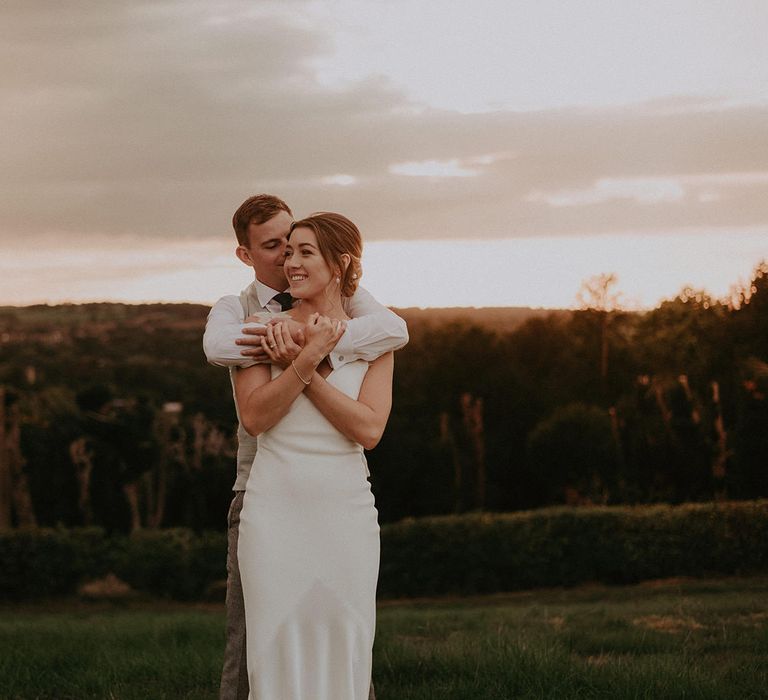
<point x="246" y="444"/>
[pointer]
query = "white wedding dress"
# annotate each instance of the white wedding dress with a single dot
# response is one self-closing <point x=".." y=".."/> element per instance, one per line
<point x="309" y="557"/>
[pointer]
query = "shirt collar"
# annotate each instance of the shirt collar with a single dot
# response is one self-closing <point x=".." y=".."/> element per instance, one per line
<point x="263" y="294"/>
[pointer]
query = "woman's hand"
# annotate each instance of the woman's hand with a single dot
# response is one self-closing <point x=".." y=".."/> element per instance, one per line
<point x="279" y="345"/>
<point x="322" y="334"/>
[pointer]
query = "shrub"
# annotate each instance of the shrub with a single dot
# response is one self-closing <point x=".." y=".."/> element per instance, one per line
<point x="460" y="555"/>
<point x="172" y="563"/>
<point x="207" y="561"/>
<point x="48" y="562"/>
<point x="483" y="553"/>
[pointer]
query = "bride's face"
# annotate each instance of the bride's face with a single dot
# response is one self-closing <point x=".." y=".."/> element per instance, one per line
<point x="305" y="268"/>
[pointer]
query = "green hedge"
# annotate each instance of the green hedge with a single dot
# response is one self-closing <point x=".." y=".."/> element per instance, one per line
<point x="467" y="554"/>
<point x="52" y="562"/>
<point x="172" y="563"/>
<point x="484" y="553"/>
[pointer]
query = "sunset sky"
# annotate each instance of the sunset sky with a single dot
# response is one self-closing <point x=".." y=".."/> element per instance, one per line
<point x="492" y="152"/>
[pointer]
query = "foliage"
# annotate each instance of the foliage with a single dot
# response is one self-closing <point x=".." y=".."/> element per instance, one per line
<point x="673" y="409"/>
<point x="483" y="553"/>
<point x="175" y="563"/>
<point x="37" y="563"/>
<point x="460" y="554"/>
<point x="574" y="447"/>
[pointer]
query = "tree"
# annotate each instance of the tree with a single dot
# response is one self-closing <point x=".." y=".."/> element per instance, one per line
<point x="573" y="452"/>
<point x="749" y="477"/>
<point x="751" y="315"/>
<point x="5" y="471"/>
<point x="689" y="335"/>
<point x="598" y="296"/>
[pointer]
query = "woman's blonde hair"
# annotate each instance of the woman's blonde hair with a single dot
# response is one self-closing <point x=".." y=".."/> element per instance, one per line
<point x="337" y="236"/>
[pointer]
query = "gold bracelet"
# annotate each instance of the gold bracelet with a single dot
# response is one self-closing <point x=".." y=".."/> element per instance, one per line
<point x="298" y="374"/>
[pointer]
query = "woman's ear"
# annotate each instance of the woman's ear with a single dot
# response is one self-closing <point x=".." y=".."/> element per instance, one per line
<point x="345" y="260"/>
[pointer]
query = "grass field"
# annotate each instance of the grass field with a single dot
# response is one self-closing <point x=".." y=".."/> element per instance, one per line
<point x="670" y="639"/>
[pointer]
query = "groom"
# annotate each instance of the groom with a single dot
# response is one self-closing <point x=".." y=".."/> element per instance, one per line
<point x="233" y="339"/>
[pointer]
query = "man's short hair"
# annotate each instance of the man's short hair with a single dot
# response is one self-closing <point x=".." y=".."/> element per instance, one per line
<point x="256" y="210"/>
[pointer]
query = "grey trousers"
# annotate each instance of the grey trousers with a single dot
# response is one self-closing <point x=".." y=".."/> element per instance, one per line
<point x="234" y="675"/>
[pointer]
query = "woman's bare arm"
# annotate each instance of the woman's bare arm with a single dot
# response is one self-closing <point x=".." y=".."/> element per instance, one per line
<point x="362" y="420"/>
<point x="262" y="401"/>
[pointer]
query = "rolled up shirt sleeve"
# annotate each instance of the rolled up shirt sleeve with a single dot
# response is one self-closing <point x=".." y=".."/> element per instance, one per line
<point x="223" y="327"/>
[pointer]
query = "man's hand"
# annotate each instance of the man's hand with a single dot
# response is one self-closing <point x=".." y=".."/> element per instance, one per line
<point x="293" y="327"/>
<point x="251" y="341"/>
<point x="279" y="345"/>
<point x="256" y="340"/>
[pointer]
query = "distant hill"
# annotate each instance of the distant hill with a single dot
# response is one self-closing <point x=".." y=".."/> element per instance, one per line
<point x="500" y="318"/>
<point x="93" y="319"/>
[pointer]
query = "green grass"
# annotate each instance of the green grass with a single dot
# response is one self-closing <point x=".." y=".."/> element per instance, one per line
<point x="696" y="639"/>
<point x="684" y="639"/>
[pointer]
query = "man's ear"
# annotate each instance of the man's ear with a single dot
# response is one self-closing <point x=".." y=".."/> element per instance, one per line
<point x="244" y="255"/>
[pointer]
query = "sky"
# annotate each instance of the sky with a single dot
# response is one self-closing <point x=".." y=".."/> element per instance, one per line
<point x="493" y="153"/>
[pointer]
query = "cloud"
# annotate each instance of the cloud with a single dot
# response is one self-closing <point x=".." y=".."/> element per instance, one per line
<point x="155" y="120"/>
<point x="340" y="179"/>
<point x="432" y="168"/>
<point x="642" y="191"/>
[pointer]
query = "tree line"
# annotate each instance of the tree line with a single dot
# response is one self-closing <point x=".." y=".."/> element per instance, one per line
<point x="111" y="417"/>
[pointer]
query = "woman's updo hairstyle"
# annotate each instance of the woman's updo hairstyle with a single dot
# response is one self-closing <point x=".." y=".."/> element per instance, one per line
<point x="337" y="236"/>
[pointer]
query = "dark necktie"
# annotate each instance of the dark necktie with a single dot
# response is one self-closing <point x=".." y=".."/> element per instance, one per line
<point x="284" y="299"/>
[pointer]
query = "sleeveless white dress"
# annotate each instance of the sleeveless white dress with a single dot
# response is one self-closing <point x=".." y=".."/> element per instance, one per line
<point x="309" y="557"/>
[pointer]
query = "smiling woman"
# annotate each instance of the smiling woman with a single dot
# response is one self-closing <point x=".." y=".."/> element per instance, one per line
<point x="326" y="242"/>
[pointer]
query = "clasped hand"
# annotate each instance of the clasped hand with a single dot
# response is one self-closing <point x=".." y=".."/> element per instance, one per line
<point x="281" y="340"/>
<point x="322" y="334"/>
<point x="254" y="337"/>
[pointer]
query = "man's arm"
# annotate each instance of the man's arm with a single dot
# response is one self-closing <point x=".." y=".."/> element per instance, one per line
<point x="223" y="327"/>
<point x="372" y="331"/>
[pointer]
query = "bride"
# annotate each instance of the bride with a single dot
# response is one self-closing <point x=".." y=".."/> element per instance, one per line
<point x="309" y="536"/>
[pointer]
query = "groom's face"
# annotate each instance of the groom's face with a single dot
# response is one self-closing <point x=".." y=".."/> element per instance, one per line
<point x="265" y="252"/>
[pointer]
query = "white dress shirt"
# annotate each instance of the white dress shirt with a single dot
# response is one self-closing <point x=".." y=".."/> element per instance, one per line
<point x="372" y="331"/>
